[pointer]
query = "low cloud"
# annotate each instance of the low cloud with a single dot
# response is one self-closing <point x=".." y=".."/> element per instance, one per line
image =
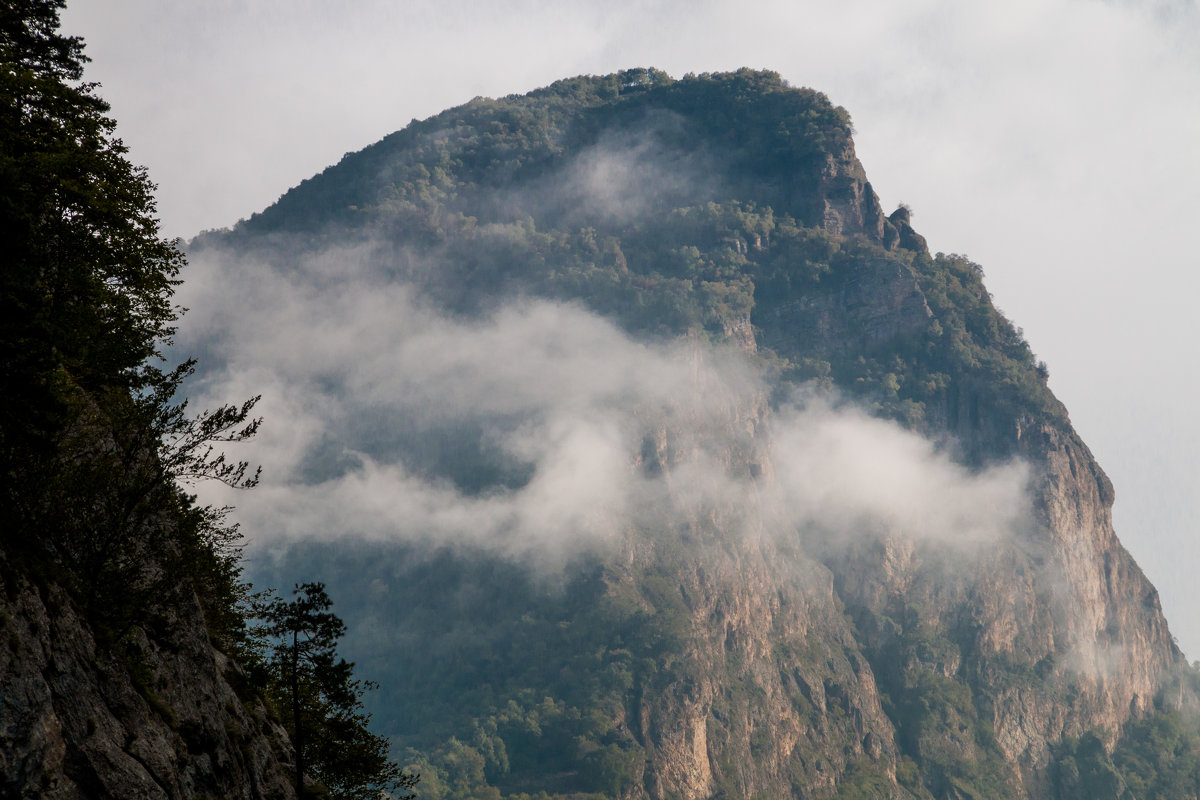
<point x="541" y="430"/>
<point x="627" y="172"/>
<point x="844" y="471"/>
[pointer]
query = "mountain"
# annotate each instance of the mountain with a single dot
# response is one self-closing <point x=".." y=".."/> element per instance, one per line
<point x="646" y="456"/>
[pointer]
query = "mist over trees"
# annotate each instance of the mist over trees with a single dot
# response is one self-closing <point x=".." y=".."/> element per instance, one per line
<point x="720" y="210"/>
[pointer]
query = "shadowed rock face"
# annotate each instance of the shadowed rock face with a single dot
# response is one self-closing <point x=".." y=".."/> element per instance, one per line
<point x="154" y="719"/>
<point x="879" y="301"/>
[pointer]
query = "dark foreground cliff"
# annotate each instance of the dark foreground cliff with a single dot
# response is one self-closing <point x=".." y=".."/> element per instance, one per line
<point x="714" y="644"/>
<point x="159" y="716"/>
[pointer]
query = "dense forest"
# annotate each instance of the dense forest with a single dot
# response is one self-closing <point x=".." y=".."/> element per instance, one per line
<point x="683" y="205"/>
<point x="95" y="443"/>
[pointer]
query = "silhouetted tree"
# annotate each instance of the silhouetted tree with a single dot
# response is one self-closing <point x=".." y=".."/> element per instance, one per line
<point x="320" y="700"/>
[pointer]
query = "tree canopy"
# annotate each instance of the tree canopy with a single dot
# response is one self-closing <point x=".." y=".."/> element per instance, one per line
<point x="87" y="284"/>
<point x="92" y="442"/>
<point x="717" y="228"/>
<point x="95" y="449"/>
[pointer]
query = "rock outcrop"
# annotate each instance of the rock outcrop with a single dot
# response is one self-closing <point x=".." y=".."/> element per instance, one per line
<point x="877" y="302"/>
<point x="160" y="718"/>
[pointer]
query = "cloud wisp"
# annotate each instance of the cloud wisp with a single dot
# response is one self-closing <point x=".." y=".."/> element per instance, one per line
<point x="540" y="430"/>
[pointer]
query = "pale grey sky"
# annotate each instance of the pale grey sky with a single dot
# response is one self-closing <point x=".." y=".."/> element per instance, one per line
<point x="1056" y="142"/>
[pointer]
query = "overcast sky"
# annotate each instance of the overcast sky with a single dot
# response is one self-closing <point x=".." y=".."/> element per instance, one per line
<point x="1057" y="143"/>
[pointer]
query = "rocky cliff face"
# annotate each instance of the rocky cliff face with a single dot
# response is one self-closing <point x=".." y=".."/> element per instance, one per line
<point x="775" y="697"/>
<point x="803" y="664"/>
<point x="879" y="302"/>
<point x="769" y="694"/>
<point x="154" y="718"/>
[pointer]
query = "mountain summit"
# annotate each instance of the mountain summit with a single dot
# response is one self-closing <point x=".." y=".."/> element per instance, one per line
<point x="652" y="459"/>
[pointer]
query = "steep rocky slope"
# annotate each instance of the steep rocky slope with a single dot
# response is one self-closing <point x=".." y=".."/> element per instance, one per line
<point x="716" y="647"/>
<point x="153" y="718"/>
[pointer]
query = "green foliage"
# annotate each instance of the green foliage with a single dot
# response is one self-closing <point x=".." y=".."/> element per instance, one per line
<point x="931" y="690"/>
<point x="502" y="683"/>
<point x="319" y="699"/>
<point x="863" y="780"/>
<point x="1157" y="756"/>
<point x="717" y="222"/>
<point x="87" y="284"/>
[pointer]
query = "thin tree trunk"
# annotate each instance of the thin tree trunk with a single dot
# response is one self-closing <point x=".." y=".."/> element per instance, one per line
<point x="298" y="736"/>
